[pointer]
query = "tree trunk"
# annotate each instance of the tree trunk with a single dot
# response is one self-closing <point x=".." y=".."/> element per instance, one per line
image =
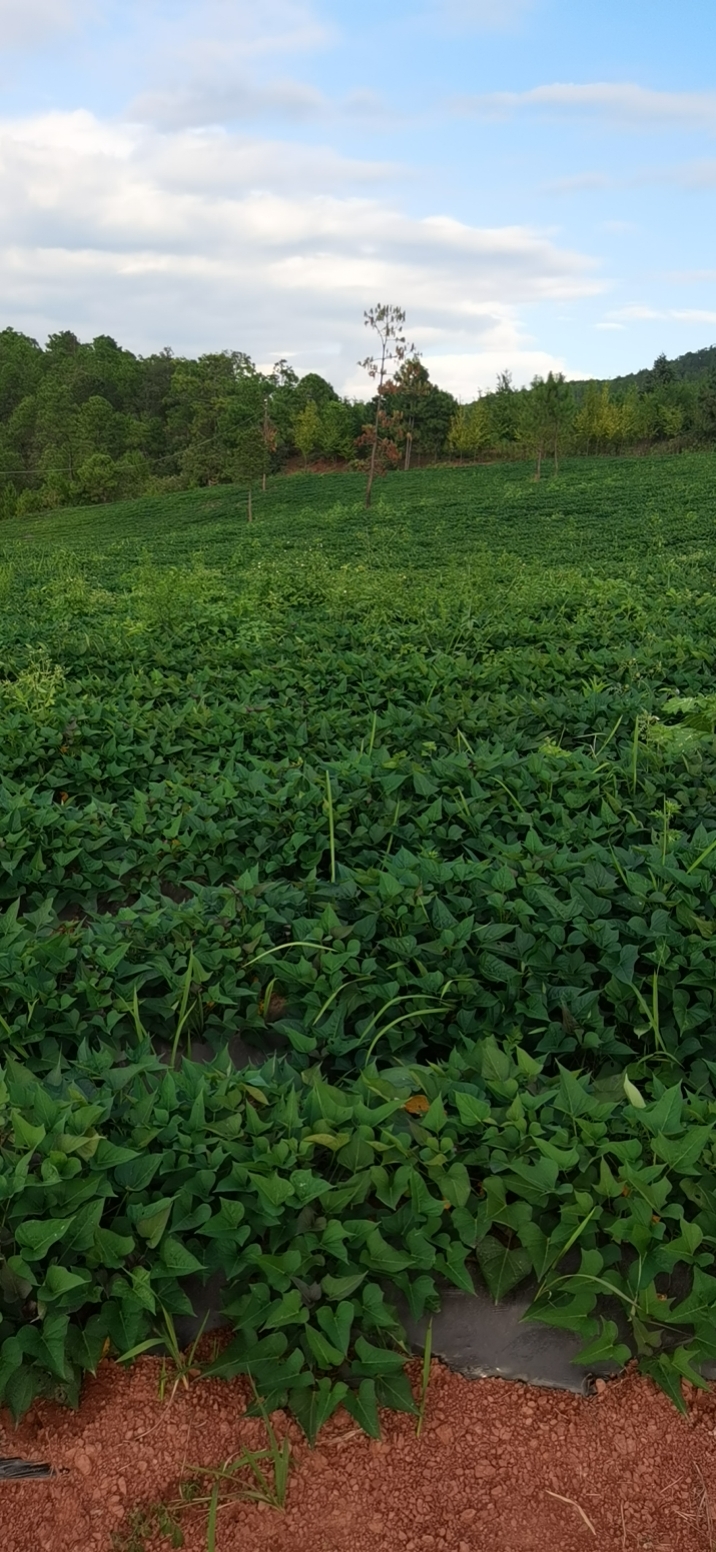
<point x="249" y="511"/>
<point x="373" y="455"/>
<point x="263" y="482"/>
<point x="408" y="449"/>
<point x="539" y="462"/>
<point x="556" y="458"/>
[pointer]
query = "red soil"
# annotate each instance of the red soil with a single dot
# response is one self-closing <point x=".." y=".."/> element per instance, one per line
<point x="491" y="1473"/>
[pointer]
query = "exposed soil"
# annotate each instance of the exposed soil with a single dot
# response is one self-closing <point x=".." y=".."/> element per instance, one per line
<point x="491" y="1472"/>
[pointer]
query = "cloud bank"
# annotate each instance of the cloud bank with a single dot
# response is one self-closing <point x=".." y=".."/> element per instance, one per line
<point x="620" y="103"/>
<point x="28" y="24"/>
<point x="209" y="239"/>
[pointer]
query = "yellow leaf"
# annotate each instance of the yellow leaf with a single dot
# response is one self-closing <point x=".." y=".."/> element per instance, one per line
<point x="632" y="1093"/>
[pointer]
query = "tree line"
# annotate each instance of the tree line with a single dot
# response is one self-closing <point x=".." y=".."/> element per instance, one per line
<point x="553" y="417"/>
<point x="93" y="422"/>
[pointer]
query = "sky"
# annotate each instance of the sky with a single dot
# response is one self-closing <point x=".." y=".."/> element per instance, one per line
<point x="533" y="181"/>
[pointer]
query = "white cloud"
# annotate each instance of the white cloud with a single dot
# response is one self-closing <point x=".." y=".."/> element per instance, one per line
<point x="31" y="23"/>
<point x="206" y="63"/>
<point x="202" y="31"/>
<point x="692" y="315"/>
<point x="642" y="313"/>
<point x="225" y="101"/>
<point x="186" y="62"/>
<point x="637" y="313"/>
<point x="206" y="240"/>
<point x="483" y="15"/>
<point x="579" y="183"/>
<point x="503" y="348"/>
<point x="202" y="103"/>
<point x="691" y="276"/>
<point x="620" y="103"/>
<point x="691" y="175"/>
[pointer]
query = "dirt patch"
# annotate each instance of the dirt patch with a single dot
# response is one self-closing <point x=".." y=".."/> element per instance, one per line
<point x="498" y="1468"/>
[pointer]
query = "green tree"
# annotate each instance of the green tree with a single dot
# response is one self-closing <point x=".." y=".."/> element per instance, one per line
<point x="21" y="367"/>
<point x="548" y="410"/>
<point x="626" y="410"/>
<point x="411" y="388"/>
<point x="338" y="429"/>
<point x="597" y="422"/>
<point x="100" y="428"/>
<point x="249" y="459"/>
<point x="19" y="437"/>
<point x="57" y="444"/>
<point x="97" y="478"/>
<point x="133" y="474"/>
<point x="470" y="429"/>
<point x="217" y="411"/>
<point x="504" y="407"/>
<point x="706" y="406"/>
<point x="426" y="410"/>
<point x="313" y="389"/>
<point x="662" y="372"/>
<point x="307" y="431"/>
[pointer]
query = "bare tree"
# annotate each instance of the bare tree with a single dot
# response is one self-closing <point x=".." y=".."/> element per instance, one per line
<point x="388" y="323"/>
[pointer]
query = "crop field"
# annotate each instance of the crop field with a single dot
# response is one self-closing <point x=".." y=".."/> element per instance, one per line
<point x="420" y="803"/>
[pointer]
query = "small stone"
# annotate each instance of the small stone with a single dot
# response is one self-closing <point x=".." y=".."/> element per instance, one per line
<point x="600" y="1387"/>
<point x="444" y="1434"/>
<point x="375" y="1525"/>
<point x="83" y="1464"/>
<point x="467" y="1516"/>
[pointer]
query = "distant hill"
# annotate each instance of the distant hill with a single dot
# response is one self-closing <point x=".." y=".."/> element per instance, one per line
<point x="691" y="367"/>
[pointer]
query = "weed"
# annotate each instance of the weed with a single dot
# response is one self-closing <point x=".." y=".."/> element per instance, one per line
<point x="424" y="1378"/>
<point x="184" y="1363"/>
<point x="35" y="688"/>
<point x="211" y="1522"/>
<point x="144" y="1524"/>
<point x="255" y="1476"/>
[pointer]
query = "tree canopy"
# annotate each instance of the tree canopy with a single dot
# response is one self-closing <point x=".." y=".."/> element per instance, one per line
<point x="91" y="422"/>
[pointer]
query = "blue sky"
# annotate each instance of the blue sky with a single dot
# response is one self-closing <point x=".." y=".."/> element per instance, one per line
<point x="532" y="180"/>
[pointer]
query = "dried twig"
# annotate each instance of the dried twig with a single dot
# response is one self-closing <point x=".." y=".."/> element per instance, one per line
<point x="706" y="1504"/>
<point x="624" y="1530"/>
<point x="344" y="1438"/>
<point x="575" y="1505"/>
<point x="664" y="1490"/>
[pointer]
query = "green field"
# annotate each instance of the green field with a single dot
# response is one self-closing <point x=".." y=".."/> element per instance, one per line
<point x="427" y="792"/>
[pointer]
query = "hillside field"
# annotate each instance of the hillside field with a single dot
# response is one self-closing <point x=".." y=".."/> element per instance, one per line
<point x="425" y="795"/>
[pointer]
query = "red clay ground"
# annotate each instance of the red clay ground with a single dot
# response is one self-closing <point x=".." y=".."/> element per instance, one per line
<point x="486" y="1476"/>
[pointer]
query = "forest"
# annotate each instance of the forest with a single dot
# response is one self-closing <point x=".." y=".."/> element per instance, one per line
<point x="84" y="423"/>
